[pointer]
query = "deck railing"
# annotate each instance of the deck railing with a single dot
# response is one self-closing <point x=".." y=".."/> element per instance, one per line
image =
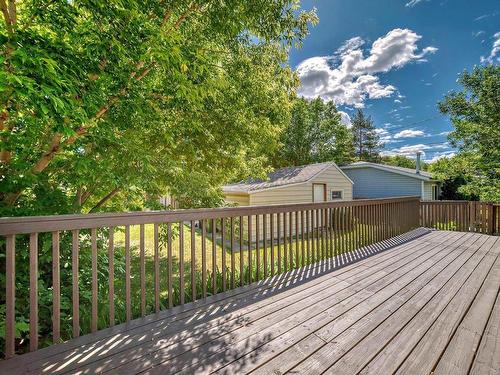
<point x="74" y="274"/>
<point x="463" y="216"/>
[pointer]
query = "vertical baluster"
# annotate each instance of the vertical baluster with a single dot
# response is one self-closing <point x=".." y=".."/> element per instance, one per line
<point x="56" y="289"/>
<point x="214" y="256"/>
<point x="223" y="258"/>
<point x="264" y="232"/>
<point x="181" y="262"/>
<point x="362" y="224"/>
<point x="257" y="247"/>
<point x="310" y="257"/>
<point x="10" y="296"/>
<point x="302" y="238"/>
<point x="250" y="265"/>
<point x="128" y="290"/>
<point x="319" y="229"/>
<point x="271" y="217"/>
<point x="241" y="253"/>
<point x="93" y="244"/>
<point x="170" y="285"/>
<point x="193" y="261"/>
<point x="156" y="256"/>
<point x="297" y="264"/>
<point x="232" y="251"/>
<point x="278" y="224"/>
<point x="290" y="224"/>
<point x="75" y="294"/>
<point x="204" y="257"/>
<point x="142" y="260"/>
<point x="325" y="230"/>
<point x="334" y="231"/>
<point x="285" y="241"/>
<point x="111" y="264"/>
<point x="33" y="291"/>
<point x="311" y="234"/>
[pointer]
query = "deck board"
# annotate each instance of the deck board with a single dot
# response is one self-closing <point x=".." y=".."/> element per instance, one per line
<point x="421" y="302"/>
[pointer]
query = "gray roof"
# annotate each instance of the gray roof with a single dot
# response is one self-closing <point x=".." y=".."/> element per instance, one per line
<point x="390" y="168"/>
<point x="280" y="177"/>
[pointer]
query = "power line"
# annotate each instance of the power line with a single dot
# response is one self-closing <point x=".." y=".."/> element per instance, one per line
<point x="392" y="127"/>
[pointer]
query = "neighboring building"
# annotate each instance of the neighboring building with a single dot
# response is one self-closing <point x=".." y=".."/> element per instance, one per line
<point x="319" y="182"/>
<point x="381" y="181"/>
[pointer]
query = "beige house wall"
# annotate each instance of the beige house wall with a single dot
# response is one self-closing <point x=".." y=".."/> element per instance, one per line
<point x="334" y="179"/>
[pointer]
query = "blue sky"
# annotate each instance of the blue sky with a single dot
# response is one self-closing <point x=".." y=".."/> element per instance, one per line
<point x="396" y="59"/>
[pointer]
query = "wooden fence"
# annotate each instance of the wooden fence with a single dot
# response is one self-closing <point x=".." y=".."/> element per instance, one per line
<point x="74" y="274"/>
<point x="464" y="216"/>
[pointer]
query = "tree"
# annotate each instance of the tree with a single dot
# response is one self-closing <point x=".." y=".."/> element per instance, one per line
<point x="366" y="141"/>
<point x="475" y="114"/>
<point x="107" y="105"/>
<point x="314" y="134"/>
<point x="455" y="174"/>
<point x="403" y="161"/>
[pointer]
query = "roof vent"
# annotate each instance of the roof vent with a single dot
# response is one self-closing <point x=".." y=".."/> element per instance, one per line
<point x="418" y="163"/>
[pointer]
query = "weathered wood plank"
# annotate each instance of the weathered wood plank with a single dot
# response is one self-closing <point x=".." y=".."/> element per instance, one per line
<point x="218" y="329"/>
<point x="487" y="359"/>
<point x="427" y="352"/>
<point x="459" y="354"/>
<point x="353" y="324"/>
<point x="434" y="295"/>
<point x="288" y="330"/>
<point x="154" y="323"/>
<point x="391" y="357"/>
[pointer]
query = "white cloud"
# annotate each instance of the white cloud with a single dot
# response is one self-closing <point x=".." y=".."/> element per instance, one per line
<point x="409" y="133"/>
<point x="348" y="77"/>
<point x="411" y="150"/>
<point x="494" y="51"/>
<point x="384" y="135"/>
<point x="412" y="3"/>
<point x="397" y="101"/>
<point x="345" y="119"/>
<point x="440" y="155"/>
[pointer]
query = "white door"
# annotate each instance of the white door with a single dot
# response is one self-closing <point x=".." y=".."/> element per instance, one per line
<point x="318" y="193"/>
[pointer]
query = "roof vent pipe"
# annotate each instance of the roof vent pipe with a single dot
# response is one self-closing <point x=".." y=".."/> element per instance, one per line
<point x="418" y="162"/>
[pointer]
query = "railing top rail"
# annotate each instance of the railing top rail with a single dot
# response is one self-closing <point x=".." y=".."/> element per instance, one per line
<point x="34" y="224"/>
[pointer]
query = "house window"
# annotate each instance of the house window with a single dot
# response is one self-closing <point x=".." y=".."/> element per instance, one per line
<point x="335" y="194"/>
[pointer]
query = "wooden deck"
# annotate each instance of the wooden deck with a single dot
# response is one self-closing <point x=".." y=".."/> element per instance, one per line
<point x="423" y="302"/>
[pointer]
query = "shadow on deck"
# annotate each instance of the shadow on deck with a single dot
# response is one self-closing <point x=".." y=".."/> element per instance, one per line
<point x="420" y="307"/>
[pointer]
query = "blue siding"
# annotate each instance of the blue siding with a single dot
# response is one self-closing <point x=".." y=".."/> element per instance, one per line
<point x="375" y="183"/>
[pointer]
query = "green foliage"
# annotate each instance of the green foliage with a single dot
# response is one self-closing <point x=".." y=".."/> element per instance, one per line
<point x="366" y="141"/>
<point x="475" y="114"/>
<point x="403" y="161"/>
<point x="314" y="134"/>
<point x="105" y="105"/>
<point x="455" y="174"/>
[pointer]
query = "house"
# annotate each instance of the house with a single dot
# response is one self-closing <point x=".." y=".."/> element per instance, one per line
<point x="373" y="180"/>
<point x="319" y="182"/>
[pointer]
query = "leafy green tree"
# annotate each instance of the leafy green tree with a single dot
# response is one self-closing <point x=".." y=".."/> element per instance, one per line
<point x="455" y="174"/>
<point x="109" y="103"/>
<point x="475" y="114"/>
<point x="403" y="161"/>
<point x="366" y="141"/>
<point x="314" y="134"/>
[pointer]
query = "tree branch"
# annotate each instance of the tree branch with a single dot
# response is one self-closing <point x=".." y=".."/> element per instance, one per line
<point x="6" y="17"/>
<point x="104" y="200"/>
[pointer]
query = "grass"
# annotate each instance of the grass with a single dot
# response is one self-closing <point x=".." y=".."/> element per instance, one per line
<point x="182" y="287"/>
